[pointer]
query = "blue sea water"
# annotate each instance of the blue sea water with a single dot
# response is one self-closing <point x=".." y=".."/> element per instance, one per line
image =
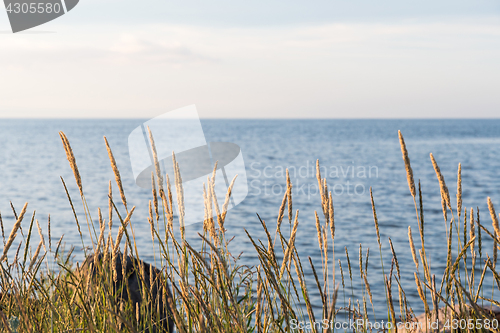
<point x="354" y="154"/>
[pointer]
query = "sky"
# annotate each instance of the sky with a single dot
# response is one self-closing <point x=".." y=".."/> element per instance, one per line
<point x="256" y="59"/>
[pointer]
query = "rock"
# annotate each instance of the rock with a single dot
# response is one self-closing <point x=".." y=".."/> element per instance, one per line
<point x="446" y="318"/>
<point x="132" y="267"/>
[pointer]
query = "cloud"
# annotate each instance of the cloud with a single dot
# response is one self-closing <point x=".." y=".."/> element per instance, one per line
<point x="425" y="68"/>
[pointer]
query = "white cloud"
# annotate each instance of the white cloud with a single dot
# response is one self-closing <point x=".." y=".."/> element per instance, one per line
<point x="427" y="69"/>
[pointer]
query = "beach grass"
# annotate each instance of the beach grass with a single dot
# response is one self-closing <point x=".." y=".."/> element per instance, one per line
<point x="211" y="291"/>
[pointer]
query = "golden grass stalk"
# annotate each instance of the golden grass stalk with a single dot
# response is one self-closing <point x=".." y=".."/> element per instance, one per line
<point x="121" y="231"/>
<point x="325" y="249"/>
<point x="289" y="185"/>
<point x="459" y="190"/>
<point x="391" y="304"/>
<point x="360" y="261"/>
<point x="13" y="233"/>
<point x="72" y="161"/>
<point x="442" y="184"/>
<point x="41" y="235"/>
<point x="155" y="198"/>
<point x="209" y="221"/>
<point x="227" y="199"/>
<point x="426" y="269"/>
<point x="421" y="294"/>
<point x="375" y="218"/>
<point x="472" y="229"/>
<point x="318" y="229"/>
<point x="258" y="305"/>
<point x="494" y="218"/>
<point x="49" y="234"/>
<point x="118" y="179"/>
<point x="155" y="159"/>
<point x="151" y="219"/>
<point x="412" y="247"/>
<point x="406" y="159"/>
<point x="304" y="291"/>
<point x="211" y="186"/>
<point x="395" y="258"/>
<point x="110" y="206"/>
<point x="321" y="187"/>
<point x="102" y="227"/>
<point x="3" y="232"/>
<point x="291" y="244"/>
<point x="401" y="303"/>
<point x="341" y="274"/>
<point x="367" y="285"/>
<point x="331" y="213"/>
<point x="281" y="212"/>
<point x="348" y="262"/>
<point x="180" y="195"/>
<point x="35" y="257"/>
<point x="479" y="239"/>
<point x="169" y="190"/>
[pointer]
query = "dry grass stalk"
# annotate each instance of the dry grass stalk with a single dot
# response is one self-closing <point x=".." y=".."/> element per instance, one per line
<point x="421" y="294"/>
<point x="442" y="184"/>
<point x="155" y="159"/>
<point x="281" y="212"/>
<point x="368" y="290"/>
<point x="443" y="206"/>
<point x="289" y="185"/>
<point x="226" y="200"/>
<point x="459" y="190"/>
<point x="375" y="219"/>
<point x="3" y="232"/>
<point x="110" y="207"/>
<point x="170" y="200"/>
<point x="49" y="234"/>
<point x="13" y="233"/>
<point x="151" y="223"/>
<point x="412" y="247"/>
<point x="209" y="221"/>
<point x="391" y="304"/>
<point x="121" y="231"/>
<point x="494" y="218"/>
<point x="479" y="240"/>
<point x="472" y="229"/>
<point x="304" y="289"/>
<point x="341" y="274"/>
<point x="427" y="273"/>
<point x="406" y="159"/>
<point x="216" y="203"/>
<point x="318" y="229"/>
<point x="321" y="187"/>
<point x="102" y="229"/>
<point x="348" y="263"/>
<point x="465" y="226"/>
<point x="291" y="244"/>
<point x="258" y="305"/>
<point x="325" y="247"/>
<point x="118" y="179"/>
<point x="35" y="257"/>
<point x="361" y="261"/>
<point x="41" y="235"/>
<point x="205" y="211"/>
<point x="395" y="258"/>
<point x="180" y="195"/>
<point x="72" y="161"/>
<point x="155" y="198"/>
<point x="331" y="214"/>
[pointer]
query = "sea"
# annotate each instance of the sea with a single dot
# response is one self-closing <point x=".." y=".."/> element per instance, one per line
<point x="354" y="155"/>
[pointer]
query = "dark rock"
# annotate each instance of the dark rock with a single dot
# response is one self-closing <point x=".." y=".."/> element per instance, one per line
<point x="134" y="292"/>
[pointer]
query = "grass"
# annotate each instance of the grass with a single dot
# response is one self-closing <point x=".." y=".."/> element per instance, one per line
<point x="42" y="291"/>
